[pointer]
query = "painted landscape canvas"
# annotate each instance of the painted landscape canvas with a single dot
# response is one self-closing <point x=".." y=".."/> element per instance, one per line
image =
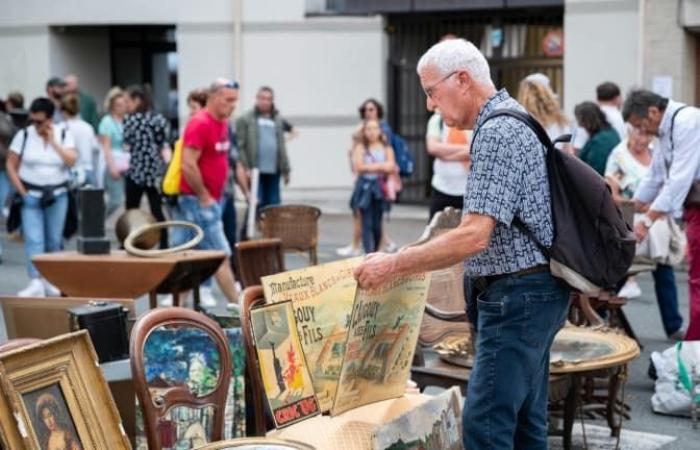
<point x="381" y="340"/>
<point x="322" y="297"/>
<point x="283" y="368"/>
<point x="434" y="425"/>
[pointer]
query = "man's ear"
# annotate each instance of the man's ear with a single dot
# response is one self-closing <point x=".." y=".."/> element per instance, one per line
<point x="654" y="113"/>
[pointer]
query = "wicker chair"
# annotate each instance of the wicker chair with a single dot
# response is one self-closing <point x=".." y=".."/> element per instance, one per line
<point x="257" y="259"/>
<point x="156" y="403"/>
<point x="252" y="297"/>
<point x="295" y="225"/>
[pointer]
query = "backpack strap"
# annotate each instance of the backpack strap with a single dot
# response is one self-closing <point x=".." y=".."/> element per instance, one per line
<point x="670" y="136"/>
<point x="24" y="143"/>
<point x="542" y="136"/>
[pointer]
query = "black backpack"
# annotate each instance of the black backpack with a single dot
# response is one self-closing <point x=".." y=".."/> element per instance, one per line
<point x="593" y="245"/>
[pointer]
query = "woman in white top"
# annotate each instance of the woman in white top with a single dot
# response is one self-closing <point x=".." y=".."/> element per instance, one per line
<point x="85" y="167"/>
<point x="38" y="166"/>
<point x="542" y="104"/>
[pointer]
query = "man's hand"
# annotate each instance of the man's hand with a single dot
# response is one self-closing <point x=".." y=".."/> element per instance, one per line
<point x="376" y="269"/>
<point x="206" y="200"/>
<point x="641" y="207"/>
<point x="640" y="231"/>
<point x="286" y="179"/>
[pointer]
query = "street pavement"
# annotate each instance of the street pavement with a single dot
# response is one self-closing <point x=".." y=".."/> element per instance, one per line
<point x="404" y="225"/>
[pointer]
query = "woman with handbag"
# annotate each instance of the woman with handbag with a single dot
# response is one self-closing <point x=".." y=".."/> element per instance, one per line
<point x="626" y="166"/>
<point x="38" y="166"/>
<point x="373" y="159"/>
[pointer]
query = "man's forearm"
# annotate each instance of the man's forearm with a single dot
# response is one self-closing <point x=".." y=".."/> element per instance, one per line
<point x="444" y="251"/>
<point x="194" y="180"/>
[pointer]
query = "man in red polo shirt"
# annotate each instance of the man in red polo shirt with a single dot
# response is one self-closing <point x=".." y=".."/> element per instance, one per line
<point x="205" y="168"/>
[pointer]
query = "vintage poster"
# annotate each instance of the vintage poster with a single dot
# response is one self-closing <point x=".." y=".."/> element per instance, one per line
<point x="382" y="338"/>
<point x="322" y="297"/>
<point x="283" y="369"/>
<point x="434" y="425"/>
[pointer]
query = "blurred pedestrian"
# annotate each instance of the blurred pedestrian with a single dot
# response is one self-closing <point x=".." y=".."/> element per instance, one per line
<point x="262" y="144"/>
<point x="145" y="134"/>
<point x="450" y="148"/>
<point x="673" y="182"/>
<point x="55" y="88"/>
<point x="85" y="168"/>
<point x="603" y="138"/>
<point x="370" y="109"/>
<point x="205" y="167"/>
<point x="373" y="159"/>
<point x="609" y="99"/>
<point x="38" y="167"/>
<point x="627" y="165"/>
<point x="88" y="108"/>
<point x="542" y="104"/>
<point x="111" y="136"/>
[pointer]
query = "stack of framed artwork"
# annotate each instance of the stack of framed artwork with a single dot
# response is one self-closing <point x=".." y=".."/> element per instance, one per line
<point x="53" y="395"/>
<point x="356" y="344"/>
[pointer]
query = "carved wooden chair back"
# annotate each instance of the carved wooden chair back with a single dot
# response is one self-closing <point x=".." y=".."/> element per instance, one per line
<point x="295" y="225"/>
<point x="253" y="297"/>
<point x="258" y="258"/>
<point x="156" y="403"/>
<point x="445" y="311"/>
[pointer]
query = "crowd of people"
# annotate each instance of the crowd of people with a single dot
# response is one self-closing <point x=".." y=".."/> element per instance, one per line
<point x="60" y="143"/>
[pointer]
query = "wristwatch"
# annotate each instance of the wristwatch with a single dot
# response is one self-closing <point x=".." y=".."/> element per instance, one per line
<point x="647" y="222"/>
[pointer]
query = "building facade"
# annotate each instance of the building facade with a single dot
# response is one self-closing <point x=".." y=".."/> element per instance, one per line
<point x="324" y="57"/>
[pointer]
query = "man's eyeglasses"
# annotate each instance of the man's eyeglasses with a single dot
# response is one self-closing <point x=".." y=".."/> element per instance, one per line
<point x="429" y="90"/>
<point x="37" y="122"/>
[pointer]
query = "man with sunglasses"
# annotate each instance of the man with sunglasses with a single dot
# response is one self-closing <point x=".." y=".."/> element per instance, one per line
<point x="672" y="184"/>
<point x="521" y="306"/>
<point x="205" y="166"/>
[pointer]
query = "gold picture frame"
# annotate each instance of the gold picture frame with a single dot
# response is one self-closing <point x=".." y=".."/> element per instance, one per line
<point x="56" y="393"/>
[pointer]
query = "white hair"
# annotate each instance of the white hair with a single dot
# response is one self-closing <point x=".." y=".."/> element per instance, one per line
<point x="452" y="55"/>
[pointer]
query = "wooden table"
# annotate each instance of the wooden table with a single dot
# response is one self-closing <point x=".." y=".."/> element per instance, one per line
<point x="437" y="372"/>
<point x="120" y="275"/>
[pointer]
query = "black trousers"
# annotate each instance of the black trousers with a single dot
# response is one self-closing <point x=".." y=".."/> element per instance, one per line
<point x="134" y="192"/>
<point x="440" y="201"/>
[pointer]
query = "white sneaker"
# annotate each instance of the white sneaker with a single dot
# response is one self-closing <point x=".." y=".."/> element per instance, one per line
<point x="348" y="250"/>
<point x="630" y="290"/>
<point x="206" y="298"/>
<point x="50" y="289"/>
<point x="35" y="288"/>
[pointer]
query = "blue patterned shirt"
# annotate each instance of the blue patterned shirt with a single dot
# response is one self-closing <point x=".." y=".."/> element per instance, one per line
<point x="508" y="179"/>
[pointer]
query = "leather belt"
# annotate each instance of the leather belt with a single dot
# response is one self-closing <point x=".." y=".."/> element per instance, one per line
<point x="490" y="279"/>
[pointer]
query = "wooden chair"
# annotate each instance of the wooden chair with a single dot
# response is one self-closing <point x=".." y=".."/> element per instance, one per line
<point x="445" y="309"/>
<point x="253" y="297"/>
<point x="295" y="225"/>
<point x="257" y="259"/>
<point x="157" y="403"/>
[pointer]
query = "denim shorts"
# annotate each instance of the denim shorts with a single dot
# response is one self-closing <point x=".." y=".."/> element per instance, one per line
<point x="207" y="218"/>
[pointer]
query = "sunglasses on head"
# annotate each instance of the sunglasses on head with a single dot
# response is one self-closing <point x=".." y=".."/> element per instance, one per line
<point x="231" y="85"/>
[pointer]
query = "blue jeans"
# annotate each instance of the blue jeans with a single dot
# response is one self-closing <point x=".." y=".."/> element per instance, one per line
<point x="115" y="193"/>
<point x="5" y="191"/>
<point x="208" y="219"/>
<point x="42" y="228"/>
<point x="667" y="298"/>
<point x="269" y="190"/>
<point x="506" y="405"/>
<point x="372" y="225"/>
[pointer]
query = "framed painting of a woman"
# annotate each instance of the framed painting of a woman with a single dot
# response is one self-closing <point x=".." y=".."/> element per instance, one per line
<point x="58" y="398"/>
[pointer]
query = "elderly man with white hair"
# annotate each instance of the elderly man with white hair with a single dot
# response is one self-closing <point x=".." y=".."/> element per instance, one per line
<point x="520" y="306"/>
